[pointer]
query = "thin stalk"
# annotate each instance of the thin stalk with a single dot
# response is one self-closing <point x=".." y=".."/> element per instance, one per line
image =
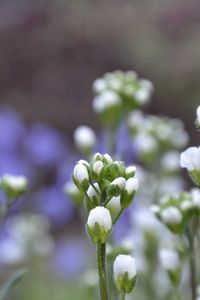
<point x="101" y="264"/>
<point x="177" y="293"/>
<point x="123" y="296"/>
<point x="118" y="216"/>
<point x="193" y="282"/>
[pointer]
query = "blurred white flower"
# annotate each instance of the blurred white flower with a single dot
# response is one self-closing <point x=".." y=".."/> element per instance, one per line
<point x="99" y="85"/>
<point x="198" y="116"/>
<point x="171" y="216"/>
<point x="170" y="161"/>
<point x="106" y="100"/>
<point x="169" y="259"/>
<point x="190" y="159"/>
<point x="84" y="138"/>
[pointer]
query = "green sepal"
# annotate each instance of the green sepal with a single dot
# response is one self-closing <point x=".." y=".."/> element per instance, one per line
<point x="195" y="175"/>
<point x="126" y="199"/>
<point x="124" y="284"/>
<point x="97" y="233"/>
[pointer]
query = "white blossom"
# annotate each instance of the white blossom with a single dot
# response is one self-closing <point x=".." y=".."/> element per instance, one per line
<point x="84" y="137"/>
<point x="142" y="95"/>
<point x="108" y="158"/>
<point x="80" y="172"/>
<point x="171" y="215"/>
<point x="170" y="161"/>
<point x="92" y="192"/>
<point x="105" y="100"/>
<point x="132" y="185"/>
<point x="101" y="216"/>
<point x="97" y="167"/>
<point x="198" y="115"/>
<point x="114" y="203"/>
<point x="131" y="170"/>
<point x="190" y="159"/>
<point x="195" y="192"/>
<point x="99" y="85"/>
<point x="16" y="183"/>
<point x="123" y="264"/>
<point x="120" y="182"/>
<point x="169" y="259"/>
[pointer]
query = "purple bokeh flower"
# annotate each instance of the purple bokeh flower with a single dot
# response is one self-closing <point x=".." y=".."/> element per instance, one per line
<point x="14" y="164"/>
<point x="45" y="146"/>
<point x="70" y="258"/>
<point x="12" y="130"/>
<point x="52" y="202"/>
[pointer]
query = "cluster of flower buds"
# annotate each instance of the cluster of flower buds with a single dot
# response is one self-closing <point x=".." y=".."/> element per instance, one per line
<point x="175" y="211"/>
<point x="108" y="186"/>
<point x="190" y="159"/>
<point x="14" y="186"/>
<point x="125" y="273"/>
<point x="118" y="92"/>
<point x="85" y="139"/>
<point x="170" y="261"/>
<point x="163" y="132"/>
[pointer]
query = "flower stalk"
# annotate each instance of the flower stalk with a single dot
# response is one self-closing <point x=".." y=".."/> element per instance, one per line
<point x="101" y="265"/>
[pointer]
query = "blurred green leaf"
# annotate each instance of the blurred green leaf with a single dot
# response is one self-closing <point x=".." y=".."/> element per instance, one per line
<point x="11" y="283"/>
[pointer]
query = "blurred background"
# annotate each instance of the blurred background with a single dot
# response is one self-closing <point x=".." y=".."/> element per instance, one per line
<point x="50" y="53"/>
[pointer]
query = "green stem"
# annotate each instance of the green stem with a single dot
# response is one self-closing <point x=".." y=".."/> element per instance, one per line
<point x="101" y="264"/>
<point x="111" y="131"/>
<point x="177" y="294"/>
<point x="193" y="282"/>
<point x="118" y="216"/>
<point x="123" y="296"/>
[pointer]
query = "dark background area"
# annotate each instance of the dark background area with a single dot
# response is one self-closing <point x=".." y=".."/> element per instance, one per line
<point x="52" y="50"/>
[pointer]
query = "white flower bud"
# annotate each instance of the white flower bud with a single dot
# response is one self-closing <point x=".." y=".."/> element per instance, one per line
<point x="196" y="197"/>
<point x="97" y="156"/>
<point x="170" y="161"/>
<point x="99" y="224"/>
<point x="130" y="171"/>
<point x="198" y="116"/>
<point x="169" y="259"/>
<point x="70" y="188"/>
<point x="84" y="138"/>
<point x="120" y="182"/>
<point x="147" y="84"/>
<point x="190" y="159"/>
<point x="171" y="216"/>
<point x="108" y="158"/>
<point x="14" y="185"/>
<point x="105" y="100"/>
<point x="125" y="273"/>
<point x="80" y="173"/>
<point x="84" y="162"/>
<point x="132" y="185"/>
<point x="99" y="85"/>
<point x="186" y="205"/>
<point x="14" y="182"/>
<point x="91" y="192"/>
<point x="155" y="209"/>
<point x="97" y="167"/>
<point x="142" y="95"/>
<point x="114" y="204"/>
